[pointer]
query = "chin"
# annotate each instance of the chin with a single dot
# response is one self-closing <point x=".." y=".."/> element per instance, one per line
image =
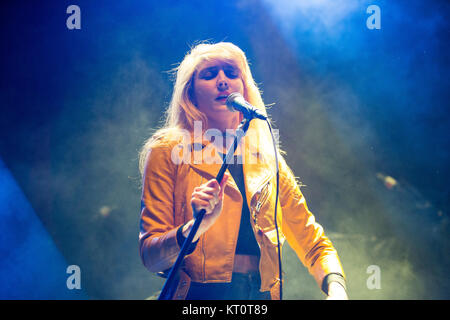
<point x="221" y="107"/>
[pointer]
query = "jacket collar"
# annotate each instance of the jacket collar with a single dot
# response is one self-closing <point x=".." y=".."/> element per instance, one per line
<point x="205" y="159"/>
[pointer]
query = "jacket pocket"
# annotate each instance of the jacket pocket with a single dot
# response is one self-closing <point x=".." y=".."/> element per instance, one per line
<point x="271" y="235"/>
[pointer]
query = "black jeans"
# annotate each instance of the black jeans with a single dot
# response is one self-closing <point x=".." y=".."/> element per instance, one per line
<point x="242" y="287"/>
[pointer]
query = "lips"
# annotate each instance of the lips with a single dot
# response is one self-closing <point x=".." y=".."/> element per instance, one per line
<point x="222" y="96"/>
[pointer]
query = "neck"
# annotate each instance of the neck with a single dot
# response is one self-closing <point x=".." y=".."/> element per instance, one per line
<point x="232" y="124"/>
<point x="227" y="137"/>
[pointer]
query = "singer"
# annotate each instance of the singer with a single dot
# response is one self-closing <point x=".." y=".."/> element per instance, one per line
<point x="234" y="254"/>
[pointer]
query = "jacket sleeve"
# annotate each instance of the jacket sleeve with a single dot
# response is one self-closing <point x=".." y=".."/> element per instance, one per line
<point x="158" y="246"/>
<point x="304" y="234"/>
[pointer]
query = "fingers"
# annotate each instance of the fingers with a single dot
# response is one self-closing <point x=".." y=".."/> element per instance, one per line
<point x="211" y="187"/>
<point x="199" y="204"/>
<point x="209" y="195"/>
<point x="207" y="190"/>
<point x="223" y="183"/>
<point x="205" y="199"/>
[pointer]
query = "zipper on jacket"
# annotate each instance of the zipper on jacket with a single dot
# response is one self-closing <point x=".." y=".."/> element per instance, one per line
<point x="262" y="198"/>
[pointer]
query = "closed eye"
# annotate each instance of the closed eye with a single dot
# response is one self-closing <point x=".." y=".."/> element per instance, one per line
<point x="231" y="73"/>
<point x="209" y="73"/>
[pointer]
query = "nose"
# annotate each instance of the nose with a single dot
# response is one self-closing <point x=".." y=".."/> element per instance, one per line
<point x="222" y="82"/>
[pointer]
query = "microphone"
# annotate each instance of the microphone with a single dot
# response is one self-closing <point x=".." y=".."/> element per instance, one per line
<point x="236" y="102"/>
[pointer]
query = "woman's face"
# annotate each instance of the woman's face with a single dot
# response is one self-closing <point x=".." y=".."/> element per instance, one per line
<point x="213" y="82"/>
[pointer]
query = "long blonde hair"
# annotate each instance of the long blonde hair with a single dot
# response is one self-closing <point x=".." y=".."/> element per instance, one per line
<point x="182" y="112"/>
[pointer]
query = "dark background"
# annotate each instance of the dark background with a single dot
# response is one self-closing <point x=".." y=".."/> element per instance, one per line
<point x="353" y="106"/>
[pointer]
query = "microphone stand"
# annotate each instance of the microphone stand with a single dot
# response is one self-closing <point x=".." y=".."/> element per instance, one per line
<point x="169" y="287"/>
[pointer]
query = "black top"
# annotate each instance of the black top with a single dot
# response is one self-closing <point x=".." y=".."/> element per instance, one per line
<point x="246" y="243"/>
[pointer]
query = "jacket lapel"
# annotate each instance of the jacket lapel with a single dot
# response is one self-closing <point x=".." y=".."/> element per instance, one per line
<point x="207" y="162"/>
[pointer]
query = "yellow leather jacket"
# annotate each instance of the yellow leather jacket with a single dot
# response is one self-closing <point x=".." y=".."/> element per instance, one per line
<point x="166" y="195"/>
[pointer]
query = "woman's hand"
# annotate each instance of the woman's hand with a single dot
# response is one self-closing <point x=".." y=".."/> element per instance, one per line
<point x="208" y="196"/>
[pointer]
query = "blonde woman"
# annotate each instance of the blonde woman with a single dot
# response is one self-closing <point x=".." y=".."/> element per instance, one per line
<point x="234" y="254"/>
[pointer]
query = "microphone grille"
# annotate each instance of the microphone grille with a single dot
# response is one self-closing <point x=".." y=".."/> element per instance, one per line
<point x="230" y="100"/>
